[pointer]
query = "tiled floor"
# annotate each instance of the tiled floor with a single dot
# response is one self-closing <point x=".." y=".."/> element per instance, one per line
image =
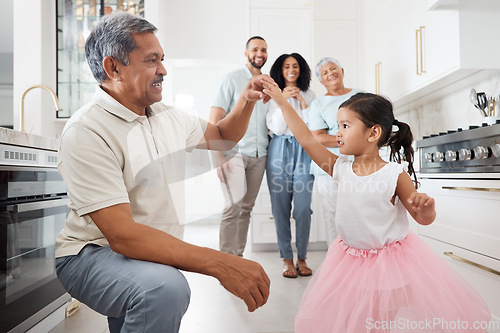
<point x="212" y="308"/>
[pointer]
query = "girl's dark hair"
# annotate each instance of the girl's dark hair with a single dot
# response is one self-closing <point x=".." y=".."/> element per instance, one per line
<point x="304" y="79"/>
<point x="376" y="110"/>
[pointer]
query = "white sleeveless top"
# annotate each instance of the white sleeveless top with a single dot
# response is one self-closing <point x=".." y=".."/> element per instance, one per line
<point x="366" y="219"/>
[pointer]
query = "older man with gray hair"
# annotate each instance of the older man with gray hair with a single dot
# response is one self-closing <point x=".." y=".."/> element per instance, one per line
<point x="122" y="157"/>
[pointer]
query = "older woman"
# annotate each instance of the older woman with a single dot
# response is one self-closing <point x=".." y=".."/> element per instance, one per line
<point x="288" y="164"/>
<point x="323" y="125"/>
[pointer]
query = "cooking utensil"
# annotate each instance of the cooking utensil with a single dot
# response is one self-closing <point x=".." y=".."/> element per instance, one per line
<point x="475" y="101"/>
<point x="491" y="106"/>
<point x="473" y="97"/>
<point x="483" y="103"/>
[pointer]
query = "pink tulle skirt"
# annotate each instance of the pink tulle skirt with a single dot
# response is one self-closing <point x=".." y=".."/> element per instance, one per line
<point x="403" y="287"/>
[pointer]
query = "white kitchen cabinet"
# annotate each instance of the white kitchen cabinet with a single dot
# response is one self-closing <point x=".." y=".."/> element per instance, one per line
<point x="455" y="43"/>
<point x="484" y="282"/>
<point x="466" y="233"/>
<point x="375" y="18"/>
<point x="389" y="46"/>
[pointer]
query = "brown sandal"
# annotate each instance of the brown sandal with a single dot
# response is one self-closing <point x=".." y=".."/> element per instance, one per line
<point x="303" y="269"/>
<point x="289" y="271"/>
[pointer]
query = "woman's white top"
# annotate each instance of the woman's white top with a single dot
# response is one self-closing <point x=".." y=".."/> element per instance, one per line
<point x="276" y="122"/>
<point x="366" y="219"/>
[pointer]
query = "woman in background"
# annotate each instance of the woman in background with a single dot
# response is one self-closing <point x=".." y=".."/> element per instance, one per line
<point x="323" y="125"/>
<point x="287" y="169"/>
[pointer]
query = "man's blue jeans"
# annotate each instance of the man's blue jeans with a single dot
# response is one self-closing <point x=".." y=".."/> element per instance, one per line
<point x="135" y="295"/>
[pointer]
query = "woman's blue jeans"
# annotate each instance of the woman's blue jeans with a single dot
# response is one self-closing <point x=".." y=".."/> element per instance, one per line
<point x="289" y="182"/>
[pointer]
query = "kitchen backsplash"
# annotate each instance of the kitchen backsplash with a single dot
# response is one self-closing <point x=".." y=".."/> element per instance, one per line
<point x="450" y="107"/>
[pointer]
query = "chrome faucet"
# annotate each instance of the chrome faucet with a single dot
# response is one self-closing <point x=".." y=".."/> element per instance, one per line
<point x="54" y="98"/>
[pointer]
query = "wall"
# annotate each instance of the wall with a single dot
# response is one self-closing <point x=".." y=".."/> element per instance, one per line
<point x="6" y="59"/>
<point x="450" y="107"/>
<point x="196" y="29"/>
<point x="201" y="42"/>
<point x="35" y="63"/>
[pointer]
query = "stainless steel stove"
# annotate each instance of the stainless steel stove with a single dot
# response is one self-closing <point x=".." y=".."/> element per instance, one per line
<point x="472" y="150"/>
<point x="460" y="169"/>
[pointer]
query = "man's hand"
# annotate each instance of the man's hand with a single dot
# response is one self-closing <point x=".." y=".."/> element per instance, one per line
<point x="254" y="89"/>
<point x="223" y="172"/>
<point x="245" y="279"/>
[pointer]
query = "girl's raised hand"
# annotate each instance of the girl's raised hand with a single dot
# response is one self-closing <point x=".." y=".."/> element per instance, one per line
<point x="274" y="91"/>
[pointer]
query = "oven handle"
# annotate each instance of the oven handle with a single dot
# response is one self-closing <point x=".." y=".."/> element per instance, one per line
<point x="481" y="189"/>
<point x="472" y="263"/>
<point x="30" y="206"/>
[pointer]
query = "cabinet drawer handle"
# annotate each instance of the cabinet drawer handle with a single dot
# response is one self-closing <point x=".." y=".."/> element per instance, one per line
<point x="481" y="189"/>
<point x="422" y="51"/>
<point x="377" y="78"/>
<point x="419" y="38"/>
<point x="472" y="263"/>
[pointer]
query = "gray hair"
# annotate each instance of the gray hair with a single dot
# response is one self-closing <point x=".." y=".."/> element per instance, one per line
<point x="113" y="36"/>
<point x="323" y="62"/>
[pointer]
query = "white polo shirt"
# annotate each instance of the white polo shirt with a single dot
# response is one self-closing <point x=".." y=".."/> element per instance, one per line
<point x="109" y="155"/>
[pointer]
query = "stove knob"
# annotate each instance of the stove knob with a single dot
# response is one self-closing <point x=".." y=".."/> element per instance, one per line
<point x="428" y="157"/>
<point x="450" y="156"/>
<point x="437" y="156"/>
<point x="480" y="152"/>
<point x="464" y="154"/>
<point x="496" y="150"/>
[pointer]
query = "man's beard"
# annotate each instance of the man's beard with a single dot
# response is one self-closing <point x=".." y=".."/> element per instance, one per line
<point x="255" y="65"/>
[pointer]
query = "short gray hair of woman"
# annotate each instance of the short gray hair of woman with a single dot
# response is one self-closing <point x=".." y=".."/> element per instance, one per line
<point x="323" y="62"/>
<point x="114" y="36"/>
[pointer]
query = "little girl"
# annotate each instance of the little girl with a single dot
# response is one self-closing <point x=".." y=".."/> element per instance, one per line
<point x="377" y="276"/>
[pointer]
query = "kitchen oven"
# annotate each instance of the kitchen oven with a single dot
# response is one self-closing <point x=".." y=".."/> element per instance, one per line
<point x="461" y="170"/>
<point x="33" y="208"/>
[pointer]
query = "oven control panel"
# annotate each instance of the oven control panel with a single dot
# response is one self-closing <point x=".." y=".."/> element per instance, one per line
<point x="25" y="156"/>
<point x="473" y="150"/>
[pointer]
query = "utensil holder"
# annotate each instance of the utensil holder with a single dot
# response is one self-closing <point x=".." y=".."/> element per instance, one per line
<point x="490" y="120"/>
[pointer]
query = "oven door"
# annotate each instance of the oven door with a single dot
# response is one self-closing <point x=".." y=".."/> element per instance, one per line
<point x="28" y="283"/>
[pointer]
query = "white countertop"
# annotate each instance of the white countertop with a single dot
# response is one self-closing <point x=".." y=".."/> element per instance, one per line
<point x="18" y="138"/>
